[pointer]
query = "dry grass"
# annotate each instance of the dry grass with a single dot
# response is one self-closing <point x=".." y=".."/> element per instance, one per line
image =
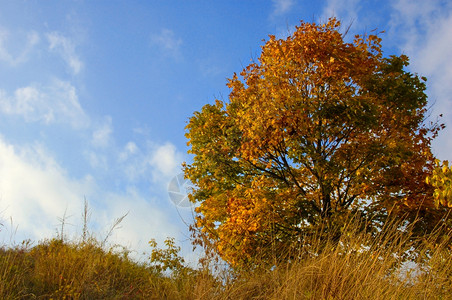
<point x="59" y="270"/>
<point x="390" y="266"/>
<point x="387" y="268"/>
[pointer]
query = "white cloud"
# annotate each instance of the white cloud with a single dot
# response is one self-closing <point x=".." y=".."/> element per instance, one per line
<point x="102" y="143"/>
<point x="281" y="7"/>
<point x="97" y="160"/>
<point x="156" y="162"/>
<point x="102" y="135"/>
<point x="129" y="149"/>
<point x="134" y="162"/>
<point x="66" y="48"/>
<point x="35" y="191"/>
<point x="167" y="42"/>
<point x="21" y="51"/>
<point x="166" y="161"/>
<point x="345" y="10"/>
<point x="54" y="103"/>
<point x="142" y="223"/>
<point x="423" y="30"/>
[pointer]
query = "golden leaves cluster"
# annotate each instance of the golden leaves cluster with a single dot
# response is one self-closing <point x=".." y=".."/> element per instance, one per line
<point x="441" y="180"/>
<point x="317" y="126"/>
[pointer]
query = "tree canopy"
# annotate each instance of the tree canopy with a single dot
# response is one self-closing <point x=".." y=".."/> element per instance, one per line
<point x="316" y="129"/>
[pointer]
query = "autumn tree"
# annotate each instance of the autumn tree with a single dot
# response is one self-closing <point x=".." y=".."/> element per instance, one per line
<point x="316" y="129"/>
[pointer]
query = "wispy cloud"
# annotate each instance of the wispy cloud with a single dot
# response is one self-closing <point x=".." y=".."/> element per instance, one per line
<point x="49" y="192"/>
<point x="167" y="42"/>
<point x="423" y="30"/>
<point x="65" y="47"/>
<point x="102" y="135"/>
<point x="35" y="203"/>
<point x="129" y="150"/>
<point x="165" y="160"/>
<point x="345" y="10"/>
<point x="158" y="162"/>
<point x="53" y="103"/>
<point x="281" y="7"/>
<point x="21" y="46"/>
<point x="209" y="67"/>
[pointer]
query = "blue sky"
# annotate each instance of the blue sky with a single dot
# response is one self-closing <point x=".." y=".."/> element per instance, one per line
<point x="95" y="95"/>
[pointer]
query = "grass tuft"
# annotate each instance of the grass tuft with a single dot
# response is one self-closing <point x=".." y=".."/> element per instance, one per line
<point x="389" y="265"/>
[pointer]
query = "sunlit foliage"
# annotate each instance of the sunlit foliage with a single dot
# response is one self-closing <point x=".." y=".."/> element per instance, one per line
<point x="315" y="130"/>
<point x="441" y="180"/>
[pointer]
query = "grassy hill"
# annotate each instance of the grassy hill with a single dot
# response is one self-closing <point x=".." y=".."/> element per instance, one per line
<point x="390" y="266"/>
